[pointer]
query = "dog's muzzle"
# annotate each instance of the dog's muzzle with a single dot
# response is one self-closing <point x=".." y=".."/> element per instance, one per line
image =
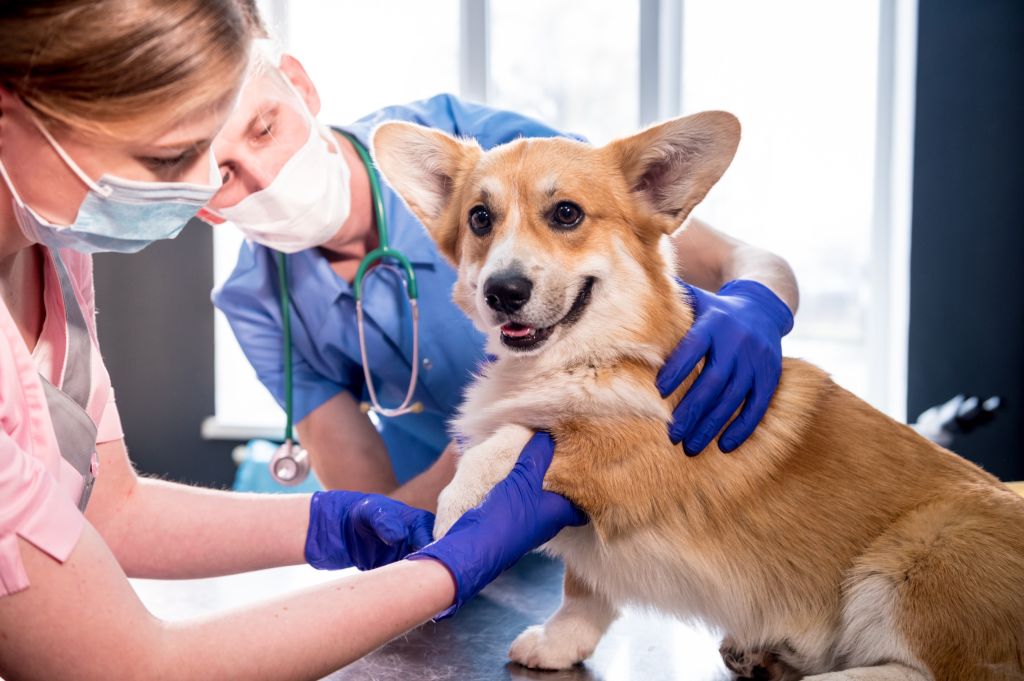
<point x="521" y="337"/>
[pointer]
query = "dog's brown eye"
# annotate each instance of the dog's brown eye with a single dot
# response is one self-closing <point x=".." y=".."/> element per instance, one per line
<point x="566" y="215"/>
<point x="479" y="220"/>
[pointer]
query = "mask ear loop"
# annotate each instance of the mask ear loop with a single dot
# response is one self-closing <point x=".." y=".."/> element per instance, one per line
<point x="323" y="133"/>
<point x="103" y="190"/>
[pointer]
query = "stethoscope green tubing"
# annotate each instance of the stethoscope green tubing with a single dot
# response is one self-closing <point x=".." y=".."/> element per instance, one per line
<point x="286" y="328"/>
<point x="383" y="250"/>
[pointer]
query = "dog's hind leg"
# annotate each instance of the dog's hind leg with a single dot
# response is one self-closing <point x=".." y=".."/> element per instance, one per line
<point x="942" y="590"/>
<point x="571" y="634"/>
<point x="885" y="672"/>
<point x="756" y="665"/>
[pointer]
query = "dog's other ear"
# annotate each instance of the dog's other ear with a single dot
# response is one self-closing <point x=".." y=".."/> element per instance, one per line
<point x="672" y="166"/>
<point x="423" y="165"/>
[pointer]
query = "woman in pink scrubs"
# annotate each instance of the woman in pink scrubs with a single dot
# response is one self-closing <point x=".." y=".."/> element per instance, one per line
<point x="107" y="112"/>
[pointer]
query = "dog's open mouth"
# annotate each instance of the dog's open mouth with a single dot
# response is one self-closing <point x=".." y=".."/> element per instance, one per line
<point x="518" y="336"/>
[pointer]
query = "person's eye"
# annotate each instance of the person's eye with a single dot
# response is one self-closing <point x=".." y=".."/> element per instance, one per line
<point x="165" y="165"/>
<point x="480" y="220"/>
<point x="262" y="128"/>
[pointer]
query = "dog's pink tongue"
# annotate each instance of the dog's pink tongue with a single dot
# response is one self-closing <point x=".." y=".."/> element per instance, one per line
<point x="513" y="330"/>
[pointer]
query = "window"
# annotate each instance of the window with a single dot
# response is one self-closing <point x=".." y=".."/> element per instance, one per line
<point x="367" y="55"/>
<point x="570" y="64"/>
<point x="801" y="77"/>
<point x="824" y="92"/>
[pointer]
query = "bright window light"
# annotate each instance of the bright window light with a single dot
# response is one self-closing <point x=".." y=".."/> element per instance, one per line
<point x="573" y="65"/>
<point x="366" y="55"/>
<point x="803" y="76"/>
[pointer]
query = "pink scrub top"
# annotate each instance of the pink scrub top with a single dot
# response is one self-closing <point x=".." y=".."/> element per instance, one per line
<point x="39" y="490"/>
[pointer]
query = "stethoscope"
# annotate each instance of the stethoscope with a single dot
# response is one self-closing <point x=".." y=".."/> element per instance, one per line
<point x="290" y="463"/>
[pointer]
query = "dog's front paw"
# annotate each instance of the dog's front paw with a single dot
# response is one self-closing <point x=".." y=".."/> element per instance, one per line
<point x="480" y="468"/>
<point x="454" y="500"/>
<point x="537" y="648"/>
<point x="446" y="514"/>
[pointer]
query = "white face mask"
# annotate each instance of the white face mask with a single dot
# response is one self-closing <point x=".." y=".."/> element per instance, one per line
<point x="305" y="204"/>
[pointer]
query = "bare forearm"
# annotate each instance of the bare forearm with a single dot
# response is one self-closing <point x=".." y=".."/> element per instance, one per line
<point x="166" y="530"/>
<point x="170" y="531"/>
<point x="709" y="259"/>
<point x="313" y="632"/>
<point x="346" y="450"/>
<point x="106" y="633"/>
<point x="749" y="262"/>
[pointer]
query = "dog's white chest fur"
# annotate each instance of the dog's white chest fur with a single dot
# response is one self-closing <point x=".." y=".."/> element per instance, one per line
<point x="539" y="396"/>
<point x="512" y="399"/>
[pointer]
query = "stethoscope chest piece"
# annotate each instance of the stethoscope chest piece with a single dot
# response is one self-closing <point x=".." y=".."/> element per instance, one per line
<point x="290" y="464"/>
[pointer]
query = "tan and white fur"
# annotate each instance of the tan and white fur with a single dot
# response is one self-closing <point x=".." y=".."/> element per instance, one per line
<point x="835" y="543"/>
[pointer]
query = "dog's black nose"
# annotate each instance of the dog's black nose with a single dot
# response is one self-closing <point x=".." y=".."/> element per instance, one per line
<point x="507" y="292"/>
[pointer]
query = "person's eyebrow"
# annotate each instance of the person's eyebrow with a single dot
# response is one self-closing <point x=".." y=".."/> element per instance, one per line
<point x="198" y="145"/>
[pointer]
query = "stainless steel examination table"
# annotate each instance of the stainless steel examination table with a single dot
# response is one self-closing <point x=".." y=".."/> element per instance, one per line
<point x="472" y="646"/>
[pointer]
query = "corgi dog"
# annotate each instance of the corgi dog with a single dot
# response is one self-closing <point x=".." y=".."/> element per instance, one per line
<point x="835" y="543"/>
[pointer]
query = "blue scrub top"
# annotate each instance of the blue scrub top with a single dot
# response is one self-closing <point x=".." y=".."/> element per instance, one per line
<point x="325" y="341"/>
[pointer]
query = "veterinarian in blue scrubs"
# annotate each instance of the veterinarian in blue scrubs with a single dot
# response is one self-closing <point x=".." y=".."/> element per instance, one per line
<point x="275" y="157"/>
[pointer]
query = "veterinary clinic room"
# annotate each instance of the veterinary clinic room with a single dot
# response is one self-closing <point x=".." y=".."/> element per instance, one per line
<point x="508" y="340"/>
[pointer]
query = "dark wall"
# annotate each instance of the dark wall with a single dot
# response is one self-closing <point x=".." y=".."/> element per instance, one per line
<point x="155" y="324"/>
<point x="967" y="247"/>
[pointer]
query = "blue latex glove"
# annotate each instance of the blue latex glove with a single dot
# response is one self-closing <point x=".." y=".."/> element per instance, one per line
<point x="740" y="332"/>
<point x="364" y="530"/>
<point x="516" y="517"/>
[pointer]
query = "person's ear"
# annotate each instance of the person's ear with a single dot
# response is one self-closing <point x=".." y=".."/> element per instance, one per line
<point x="12" y="108"/>
<point x="296" y="74"/>
<point x="6" y="101"/>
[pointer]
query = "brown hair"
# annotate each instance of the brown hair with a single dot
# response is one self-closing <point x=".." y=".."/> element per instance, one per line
<point x="252" y="17"/>
<point x="95" y="65"/>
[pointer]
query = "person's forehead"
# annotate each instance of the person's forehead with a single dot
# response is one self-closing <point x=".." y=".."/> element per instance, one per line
<point x="197" y="128"/>
<point x="262" y="93"/>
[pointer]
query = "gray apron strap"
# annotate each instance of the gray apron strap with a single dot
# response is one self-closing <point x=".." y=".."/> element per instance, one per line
<point x="75" y="429"/>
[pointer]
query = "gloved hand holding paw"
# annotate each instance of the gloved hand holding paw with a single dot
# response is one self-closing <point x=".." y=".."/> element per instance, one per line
<point x="517" y="516"/>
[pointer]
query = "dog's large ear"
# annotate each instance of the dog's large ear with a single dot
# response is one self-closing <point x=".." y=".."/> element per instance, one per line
<point x="672" y="166"/>
<point x="423" y="165"/>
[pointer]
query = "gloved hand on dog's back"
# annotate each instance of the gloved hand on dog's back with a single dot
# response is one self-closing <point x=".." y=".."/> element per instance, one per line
<point x="740" y="332"/>
<point x="515" y="517"/>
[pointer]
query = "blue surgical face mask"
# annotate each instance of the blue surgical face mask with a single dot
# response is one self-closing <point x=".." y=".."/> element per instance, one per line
<point x="117" y="215"/>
